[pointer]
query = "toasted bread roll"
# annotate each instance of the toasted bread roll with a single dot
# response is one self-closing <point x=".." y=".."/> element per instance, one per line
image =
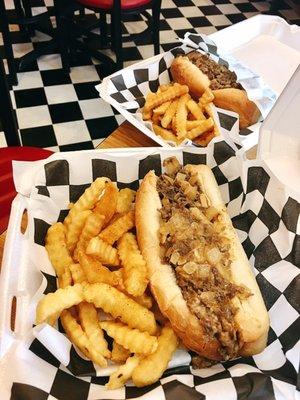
<point x="247" y="333"/>
<point x="199" y="72"/>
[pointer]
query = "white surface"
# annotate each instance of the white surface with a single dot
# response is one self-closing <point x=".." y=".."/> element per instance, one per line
<point x="266" y="44"/>
<point x="279" y="143"/>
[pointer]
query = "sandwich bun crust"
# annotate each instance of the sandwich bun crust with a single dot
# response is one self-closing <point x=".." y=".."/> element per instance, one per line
<point x="251" y="318"/>
<point x="185" y="72"/>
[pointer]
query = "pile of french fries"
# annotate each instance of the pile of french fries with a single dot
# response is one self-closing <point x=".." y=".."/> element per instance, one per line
<point x="176" y="116"/>
<point x="99" y="267"/>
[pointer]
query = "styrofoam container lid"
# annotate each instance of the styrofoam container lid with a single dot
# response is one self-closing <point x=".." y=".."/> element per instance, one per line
<point x="279" y="138"/>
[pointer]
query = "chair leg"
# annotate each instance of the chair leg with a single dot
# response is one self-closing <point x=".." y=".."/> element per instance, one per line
<point x="103" y="30"/>
<point x="28" y="14"/>
<point x="20" y="14"/>
<point x="117" y="34"/>
<point x="8" y="45"/>
<point x="155" y="24"/>
<point x="62" y="35"/>
<point x="6" y="112"/>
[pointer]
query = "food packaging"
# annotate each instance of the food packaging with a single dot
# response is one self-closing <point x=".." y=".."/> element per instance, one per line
<point x="244" y="47"/>
<point x="39" y="362"/>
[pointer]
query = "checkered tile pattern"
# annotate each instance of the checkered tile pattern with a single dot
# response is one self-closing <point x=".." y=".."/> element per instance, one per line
<point x="267" y="222"/>
<point x="64" y="112"/>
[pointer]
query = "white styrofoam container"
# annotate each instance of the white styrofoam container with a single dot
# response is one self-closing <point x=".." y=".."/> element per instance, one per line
<point x="279" y="138"/>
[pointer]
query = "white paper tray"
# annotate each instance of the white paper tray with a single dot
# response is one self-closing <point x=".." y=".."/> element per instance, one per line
<point x="259" y="43"/>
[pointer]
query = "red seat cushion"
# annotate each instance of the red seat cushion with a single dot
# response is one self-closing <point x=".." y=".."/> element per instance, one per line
<point x="107" y="4"/>
<point x="7" y="188"/>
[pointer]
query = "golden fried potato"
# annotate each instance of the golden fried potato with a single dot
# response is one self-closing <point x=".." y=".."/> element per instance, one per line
<point x="151" y="368"/>
<point x="88" y="199"/>
<point x="114" y="231"/>
<point x="75" y="227"/>
<point x="78" y="276"/>
<point x="206" y="125"/>
<point x="160" y="110"/>
<point x="119" y="354"/>
<point x="123" y="373"/>
<point x="164" y="133"/>
<point x="207" y="97"/>
<point x="120" y="306"/>
<point x="108" y="202"/>
<point x="95" y="272"/>
<point x="103" y="252"/>
<point x="169" y="94"/>
<point x="195" y="109"/>
<point x="65" y="279"/>
<point x="92" y="227"/>
<point x="181" y="116"/>
<point x="125" y="200"/>
<point x="134" y="265"/>
<point x="56" y="247"/>
<point x="89" y="321"/>
<point x="169" y="114"/>
<point x="80" y="339"/>
<point x="131" y="339"/>
<point x="54" y="303"/>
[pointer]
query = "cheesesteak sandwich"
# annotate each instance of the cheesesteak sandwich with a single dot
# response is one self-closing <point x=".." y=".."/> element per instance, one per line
<point x="198" y="271"/>
<point x="199" y="72"/>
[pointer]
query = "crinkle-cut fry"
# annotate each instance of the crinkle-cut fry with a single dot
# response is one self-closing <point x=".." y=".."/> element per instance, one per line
<point x="147" y="113"/>
<point x="156" y="119"/>
<point x="164" y="133"/>
<point x="103" y="252"/>
<point x="114" y="231"/>
<point x="164" y="87"/>
<point x="65" y="279"/>
<point x="125" y="201"/>
<point x="75" y="227"/>
<point x="207" y="97"/>
<point x="169" y="94"/>
<point x="169" y="114"/>
<point x="144" y="300"/>
<point x="195" y="109"/>
<point x="204" y="139"/>
<point x="205" y="126"/>
<point x="181" y="116"/>
<point x="88" y="199"/>
<point x="131" y="339"/>
<point x="118" y="378"/>
<point x="160" y="110"/>
<point x="120" y="306"/>
<point x="107" y="203"/>
<point x="151" y="368"/>
<point x="193" y="124"/>
<point x="134" y="265"/>
<point x="118" y="353"/>
<point x="95" y="272"/>
<point x="89" y="321"/>
<point x="54" y="303"/>
<point x="78" y="276"/>
<point x="209" y="111"/>
<point x="80" y="339"/>
<point x="92" y="227"/>
<point x="56" y="247"/>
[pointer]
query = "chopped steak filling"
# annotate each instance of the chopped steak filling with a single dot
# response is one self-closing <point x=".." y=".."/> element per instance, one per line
<point x="220" y="76"/>
<point x="193" y="242"/>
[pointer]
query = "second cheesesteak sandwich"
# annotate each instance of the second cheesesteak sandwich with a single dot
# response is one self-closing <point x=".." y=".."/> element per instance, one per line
<point x="198" y="270"/>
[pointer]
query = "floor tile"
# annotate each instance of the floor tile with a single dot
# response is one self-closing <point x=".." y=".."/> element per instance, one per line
<point x="84" y="74"/>
<point x="30" y="97"/>
<point x="86" y="90"/>
<point x="101" y="127"/>
<point x="2" y="140"/>
<point x="51" y="61"/>
<point x="60" y="94"/>
<point x="65" y="112"/>
<point x="29" y="80"/>
<point x="31" y="117"/>
<point x="71" y="132"/>
<point x="77" y="146"/>
<point x="191" y="11"/>
<point x="216" y="20"/>
<point x="55" y="77"/>
<point x="94" y="108"/>
<point x="42" y="136"/>
<point x="179" y="23"/>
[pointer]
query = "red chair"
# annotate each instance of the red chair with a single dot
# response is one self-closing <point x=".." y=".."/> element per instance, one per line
<point x="117" y="9"/>
<point x="7" y="188"/>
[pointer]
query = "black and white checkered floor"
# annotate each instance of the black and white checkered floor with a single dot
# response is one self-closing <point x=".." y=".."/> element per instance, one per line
<point x="64" y="112"/>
